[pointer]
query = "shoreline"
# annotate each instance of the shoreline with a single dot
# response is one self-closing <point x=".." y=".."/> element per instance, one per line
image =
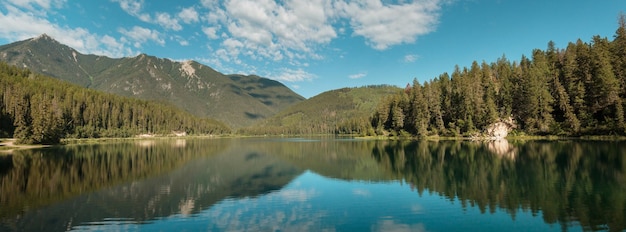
<point x="8" y="146"/>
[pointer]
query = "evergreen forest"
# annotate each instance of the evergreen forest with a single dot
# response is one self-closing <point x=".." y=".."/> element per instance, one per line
<point x="340" y="111"/>
<point x="36" y="109"/>
<point x="575" y="91"/>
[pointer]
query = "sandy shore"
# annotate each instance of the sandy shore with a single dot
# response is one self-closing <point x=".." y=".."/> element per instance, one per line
<point x="8" y="146"/>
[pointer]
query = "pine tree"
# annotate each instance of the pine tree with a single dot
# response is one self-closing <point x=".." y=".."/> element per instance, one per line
<point x="22" y="118"/>
<point x="618" y="50"/>
<point x="380" y="120"/>
<point x="563" y="110"/>
<point x="563" y="104"/>
<point x="446" y="100"/>
<point x="576" y="91"/>
<point x="46" y="121"/>
<point x="535" y="102"/>
<point x="43" y="110"/>
<point x="432" y="92"/>
<point x="490" y="113"/>
<point x="396" y="114"/>
<point x="583" y="94"/>
<point x="475" y="91"/>
<point x="419" y="112"/>
<point x="605" y="86"/>
<point x="618" y="47"/>
<point x="574" y="83"/>
<point x="541" y="76"/>
<point x="462" y="101"/>
<point x="504" y="98"/>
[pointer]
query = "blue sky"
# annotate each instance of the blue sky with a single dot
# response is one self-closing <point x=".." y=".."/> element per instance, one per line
<point x="314" y="46"/>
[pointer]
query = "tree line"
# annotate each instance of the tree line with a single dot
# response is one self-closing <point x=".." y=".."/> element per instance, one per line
<point x="36" y="109"/>
<point x="579" y="90"/>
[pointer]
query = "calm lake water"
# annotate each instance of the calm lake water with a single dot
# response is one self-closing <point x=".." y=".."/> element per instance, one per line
<point x="315" y="184"/>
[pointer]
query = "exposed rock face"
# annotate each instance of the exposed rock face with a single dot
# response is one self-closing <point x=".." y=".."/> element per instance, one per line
<point x="236" y="100"/>
<point x="500" y="129"/>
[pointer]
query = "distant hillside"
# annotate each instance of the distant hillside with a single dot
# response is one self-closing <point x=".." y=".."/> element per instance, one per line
<point x="345" y="111"/>
<point x="234" y="99"/>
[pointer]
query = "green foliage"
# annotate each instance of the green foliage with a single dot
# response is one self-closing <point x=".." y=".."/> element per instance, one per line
<point x="576" y="91"/>
<point x="342" y="111"/>
<point x="42" y="110"/>
<point x="233" y="99"/>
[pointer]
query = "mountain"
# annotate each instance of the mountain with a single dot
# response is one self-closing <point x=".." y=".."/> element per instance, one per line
<point x="237" y="100"/>
<point x="345" y="111"/>
<point x="37" y="109"/>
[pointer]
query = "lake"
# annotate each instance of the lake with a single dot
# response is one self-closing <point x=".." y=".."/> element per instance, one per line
<point x="315" y="184"/>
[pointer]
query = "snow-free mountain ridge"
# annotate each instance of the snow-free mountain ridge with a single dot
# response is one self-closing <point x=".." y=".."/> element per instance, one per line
<point x="237" y="100"/>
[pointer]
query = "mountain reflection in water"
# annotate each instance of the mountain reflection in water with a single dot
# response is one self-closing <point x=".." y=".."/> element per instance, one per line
<point x="322" y="184"/>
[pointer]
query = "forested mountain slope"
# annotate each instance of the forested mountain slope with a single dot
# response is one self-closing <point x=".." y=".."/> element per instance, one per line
<point x="236" y="100"/>
<point x="345" y="111"/>
<point x="42" y="110"/>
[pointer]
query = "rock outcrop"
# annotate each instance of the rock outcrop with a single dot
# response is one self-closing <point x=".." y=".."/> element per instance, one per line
<point x="500" y="129"/>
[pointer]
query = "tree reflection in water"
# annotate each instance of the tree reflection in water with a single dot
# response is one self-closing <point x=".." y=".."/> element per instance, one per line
<point x="54" y="189"/>
<point x="565" y="181"/>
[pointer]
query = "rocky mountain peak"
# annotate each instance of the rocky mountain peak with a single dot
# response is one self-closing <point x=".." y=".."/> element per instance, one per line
<point x="45" y="38"/>
<point x="194" y="87"/>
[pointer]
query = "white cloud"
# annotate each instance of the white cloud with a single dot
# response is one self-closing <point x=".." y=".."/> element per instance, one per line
<point x="251" y="34"/>
<point x="293" y="75"/>
<point x="134" y="8"/>
<point x="410" y="58"/>
<point x="182" y="41"/>
<point x="386" y="25"/>
<point x="34" y="4"/>
<point x="210" y="32"/>
<point x="113" y="47"/>
<point x="166" y="21"/>
<point x="233" y="45"/>
<point x="216" y="13"/>
<point x="358" y="75"/>
<point x="140" y="35"/>
<point x="19" y="25"/>
<point x="188" y="15"/>
<point x="216" y="63"/>
<point x="296" y="30"/>
<point x="247" y="32"/>
<point x="271" y="30"/>
<point x="209" y="3"/>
